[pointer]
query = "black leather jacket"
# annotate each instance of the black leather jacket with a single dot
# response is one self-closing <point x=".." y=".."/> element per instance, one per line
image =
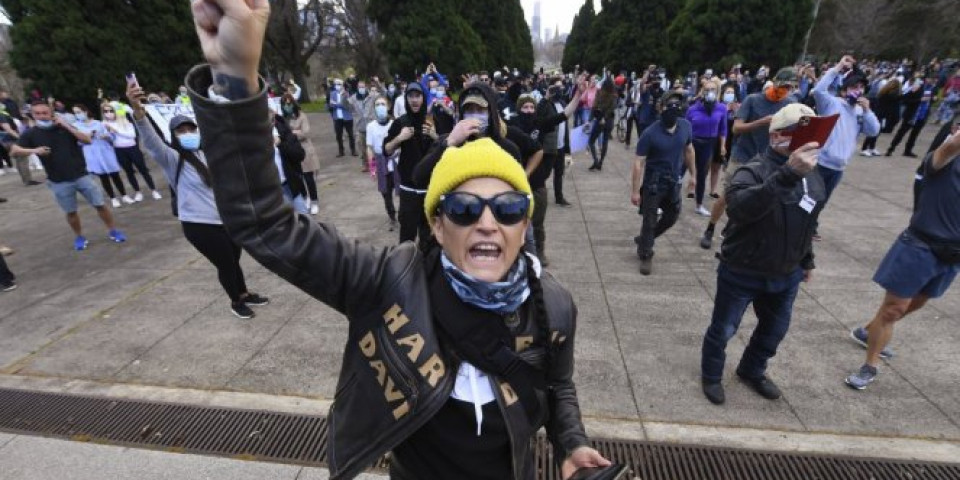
<point x="768" y="232"/>
<point x="396" y="373"/>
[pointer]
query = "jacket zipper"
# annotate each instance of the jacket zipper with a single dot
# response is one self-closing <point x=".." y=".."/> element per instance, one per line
<point x="406" y="384"/>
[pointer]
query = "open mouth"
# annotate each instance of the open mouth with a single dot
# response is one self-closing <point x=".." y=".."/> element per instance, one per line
<point x="485" y="252"/>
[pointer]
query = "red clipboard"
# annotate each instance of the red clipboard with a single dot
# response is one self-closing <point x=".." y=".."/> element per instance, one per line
<point x="813" y="129"/>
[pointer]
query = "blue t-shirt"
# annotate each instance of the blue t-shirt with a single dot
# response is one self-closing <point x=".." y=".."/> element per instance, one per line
<point x="938" y="213"/>
<point x="664" y="150"/>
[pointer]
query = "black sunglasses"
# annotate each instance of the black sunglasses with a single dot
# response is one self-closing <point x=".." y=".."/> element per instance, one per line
<point x="465" y="209"/>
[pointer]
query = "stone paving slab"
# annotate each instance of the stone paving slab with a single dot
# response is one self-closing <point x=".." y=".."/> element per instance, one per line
<point x="150" y="311"/>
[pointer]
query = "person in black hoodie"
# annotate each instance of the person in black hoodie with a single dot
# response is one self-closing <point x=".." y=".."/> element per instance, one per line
<point x="414" y="137"/>
<point x="774" y="203"/>
<point x="542" y="123"/>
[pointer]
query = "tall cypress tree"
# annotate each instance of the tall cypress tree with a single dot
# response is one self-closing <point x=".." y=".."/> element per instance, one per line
<point x="631" y="34"/>
<point x="707" y="32"/>
<point x="578" y="42"/>
<point x="69" y="48"/>
<point x="503" y="30"/>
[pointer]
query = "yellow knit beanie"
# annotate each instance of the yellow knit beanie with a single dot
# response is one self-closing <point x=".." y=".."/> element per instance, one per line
<point x="476" y="159"/>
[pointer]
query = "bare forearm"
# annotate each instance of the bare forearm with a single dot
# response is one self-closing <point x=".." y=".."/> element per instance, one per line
<point x="534" y="162"/>
<point x="942" y="156"/>
<point x="572" y="106"/>
<point x="234" y="85"/>
<point x="638" y="166"/>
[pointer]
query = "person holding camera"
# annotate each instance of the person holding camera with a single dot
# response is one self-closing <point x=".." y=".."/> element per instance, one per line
<point x="413" y="136"/>
<point x="773" y="203"/>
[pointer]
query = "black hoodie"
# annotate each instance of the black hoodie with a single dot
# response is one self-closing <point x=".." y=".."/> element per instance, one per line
<point x="495" y="130"/>
<point x="414" y="148"/>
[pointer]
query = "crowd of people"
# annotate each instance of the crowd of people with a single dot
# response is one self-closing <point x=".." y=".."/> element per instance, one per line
<point x="460" y="338"/>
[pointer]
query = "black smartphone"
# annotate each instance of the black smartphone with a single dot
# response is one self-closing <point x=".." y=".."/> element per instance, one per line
<point x="614" y="471"/>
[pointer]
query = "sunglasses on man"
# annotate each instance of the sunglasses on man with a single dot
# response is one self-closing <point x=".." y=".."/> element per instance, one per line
<point x="465" y="209"/>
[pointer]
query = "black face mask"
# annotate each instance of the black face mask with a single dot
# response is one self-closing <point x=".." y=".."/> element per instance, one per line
<point x="526" y="122"/>
<point x="669" y="117"/>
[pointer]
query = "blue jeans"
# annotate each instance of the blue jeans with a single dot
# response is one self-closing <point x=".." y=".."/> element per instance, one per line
<point x="772" y="299"/>
<point x="298" y="203"/>
<point x="831" y="178"/>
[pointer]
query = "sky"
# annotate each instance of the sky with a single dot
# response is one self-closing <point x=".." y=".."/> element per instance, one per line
<point x="555" y="12"/>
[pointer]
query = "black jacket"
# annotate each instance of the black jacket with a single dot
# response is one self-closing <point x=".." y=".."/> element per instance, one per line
<point x="768" y="232"/>
<point x="396" y="372"/>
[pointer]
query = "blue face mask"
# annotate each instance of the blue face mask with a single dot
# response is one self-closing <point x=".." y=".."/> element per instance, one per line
<point x="189" y="141"/>
<point x="729" y="97"/>
<point x="483" y="117"/>
<point x="44" y="123"/>
<point x="381" y="111"/>
<point x="81" y="117"/>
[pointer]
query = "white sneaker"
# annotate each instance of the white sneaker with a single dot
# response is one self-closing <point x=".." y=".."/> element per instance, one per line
<point x="138" y="197"/>
<point x="314" y="209"/>
<point x="2" y="172"/>
<point x="115" y="202"/>
<point x="866" y="153"/>
<point x="127" y="199"/>
<point x="875" y="152"/>
<point x="156" y="195"/>
<point x="702" y="211"/>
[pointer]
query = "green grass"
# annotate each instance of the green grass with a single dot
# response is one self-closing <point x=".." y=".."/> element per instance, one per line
<point x="319" y="106"/>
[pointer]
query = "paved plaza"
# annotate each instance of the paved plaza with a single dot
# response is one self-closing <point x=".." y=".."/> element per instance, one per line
<point x="147" y="318"/>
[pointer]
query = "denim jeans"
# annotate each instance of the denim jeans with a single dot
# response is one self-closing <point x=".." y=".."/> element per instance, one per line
<point x="772" y="299"/>
<point x="831" y="178"/>
<point x="298" y="203"/>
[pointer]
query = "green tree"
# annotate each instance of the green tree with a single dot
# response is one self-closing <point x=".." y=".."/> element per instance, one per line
<point x="631" y="34"/>
<point x="293" y="35"/>
<point x="417" y="32"/>
<point x="503" y="30"/>
<point x="578" y="42"/>
<point x="69" y="48"/>
<point x="711" y="32"/>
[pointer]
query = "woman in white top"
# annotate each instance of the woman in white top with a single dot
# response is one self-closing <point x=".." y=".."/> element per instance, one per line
<point x="387" y="176"/>
<point x="124" y="136"/>
<point x="99" y="155"/>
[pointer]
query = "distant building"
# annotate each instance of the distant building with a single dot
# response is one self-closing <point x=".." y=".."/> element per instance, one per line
<point x="535" y="24"/>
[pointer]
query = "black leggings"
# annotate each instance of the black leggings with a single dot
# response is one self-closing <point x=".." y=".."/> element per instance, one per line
<point x="311" y="181"/>
<point x="5" y="156"/>
<point x="214" y="243"/>
<point x="105" y="181"/>
<point x="130" y="158"/>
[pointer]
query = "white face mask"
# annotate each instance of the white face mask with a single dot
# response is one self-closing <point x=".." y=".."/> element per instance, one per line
<point x="729" y="97"/>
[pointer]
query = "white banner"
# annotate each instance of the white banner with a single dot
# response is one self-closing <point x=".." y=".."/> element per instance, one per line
<point x="161" y="113"/>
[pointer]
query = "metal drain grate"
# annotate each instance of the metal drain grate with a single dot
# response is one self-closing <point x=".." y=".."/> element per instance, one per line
<point x="302" y="439"/>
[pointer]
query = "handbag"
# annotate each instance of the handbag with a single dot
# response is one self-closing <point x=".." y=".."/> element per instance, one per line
<point x="948" y="253"/>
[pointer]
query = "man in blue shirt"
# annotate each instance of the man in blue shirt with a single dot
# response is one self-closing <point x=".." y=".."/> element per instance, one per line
<point x="855" y="117"/>
<point x="923" y="261"/>
<point x="662" y="151"/>
<point x="339" y="107"/>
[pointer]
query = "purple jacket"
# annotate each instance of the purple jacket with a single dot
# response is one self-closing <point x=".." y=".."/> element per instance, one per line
<point x="708" y="125"/>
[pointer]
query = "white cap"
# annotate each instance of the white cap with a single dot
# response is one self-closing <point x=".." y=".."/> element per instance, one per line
<point x="790" y="115"/>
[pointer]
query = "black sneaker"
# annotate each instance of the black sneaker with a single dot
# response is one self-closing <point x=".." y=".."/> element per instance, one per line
<point x="762" y="385"/>
<point x="706" y="241"/>
<point x="7" y="286"/>
<point x="563" y="203"/>
<point x="646" y="265"/>
<point x="714" y="392"/>
<point x="255" y="300"/>
<point x="241" y="310"/>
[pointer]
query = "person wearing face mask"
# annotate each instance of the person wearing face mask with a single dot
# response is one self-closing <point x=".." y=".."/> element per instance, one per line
<point x="124" y="139"/>
<point x="412" y="137"/>
<point x="442" y="111"/>
<point x="774" y="202"/>
<point x="388" y="177"/>
<point x="101" y="159"/>
<point x="300" y="126"/>
<point x="339" y="106"/>
<point x="554" y="122"/>
<point x="57" y="143"/>
<point x="662" y="152"/>
<point x="751" y="122"/>
<point x="602" y="114"/>
<point x="184" y="165"/>
<point x="361" y="106"/>
<point x="856" y="117"/>
<point x="708" y="117"/>
<point x="731" y="104"/>
<point x="917" y="98"/>
<point x="182" y="97"/>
